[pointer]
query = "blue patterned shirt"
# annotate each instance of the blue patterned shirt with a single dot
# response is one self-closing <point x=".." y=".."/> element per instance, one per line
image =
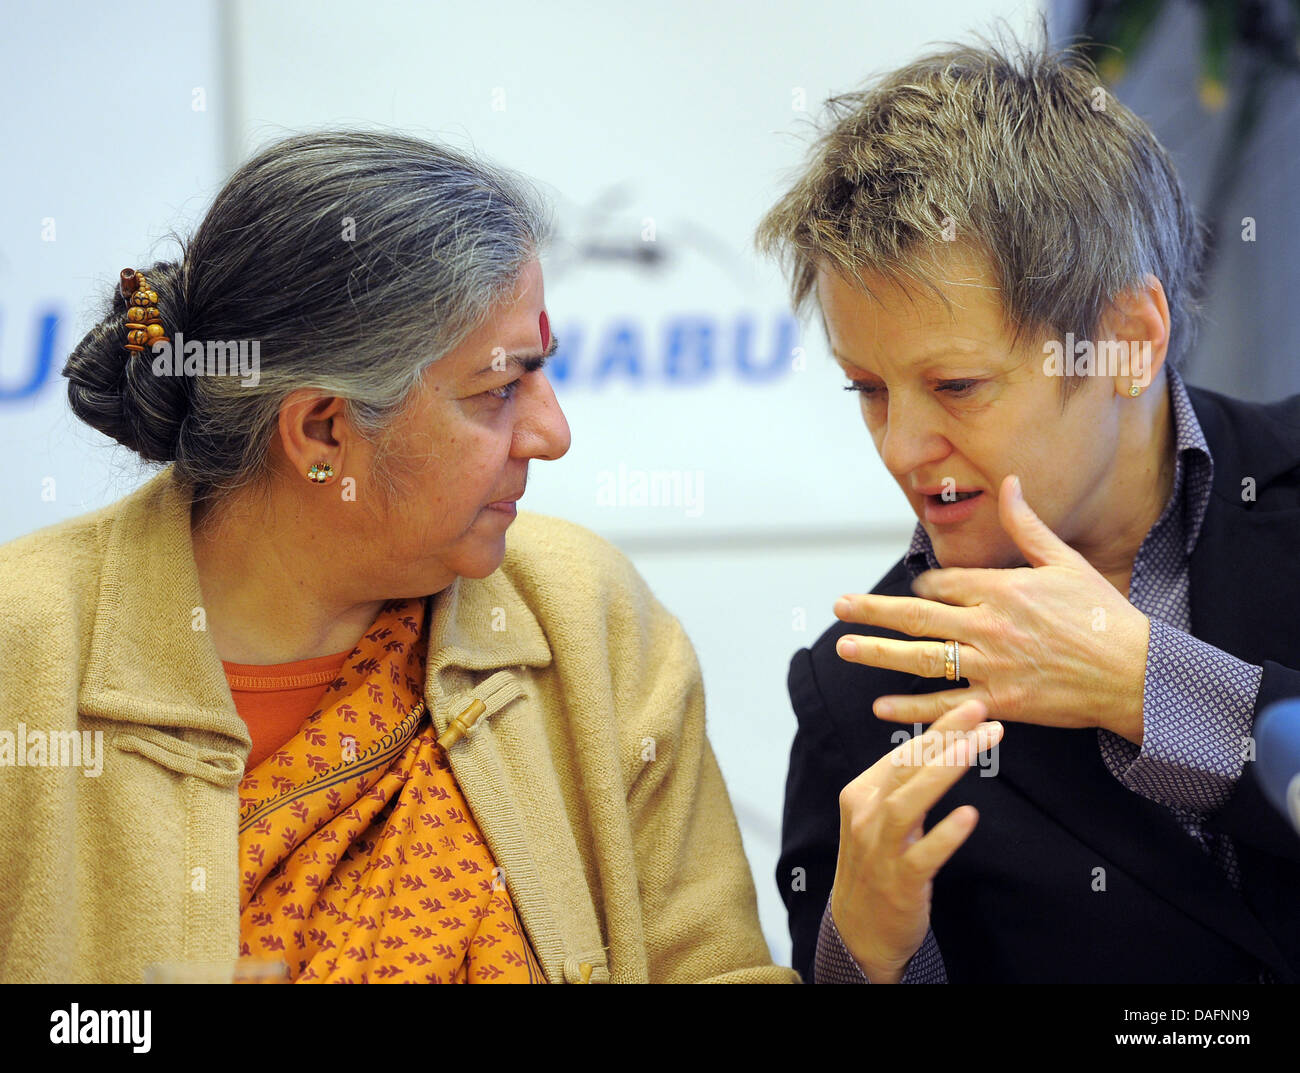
<point x="1197" y="706"/>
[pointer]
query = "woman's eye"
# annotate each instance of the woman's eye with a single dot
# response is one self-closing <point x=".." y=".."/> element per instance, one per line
<point x="530" y="365"/>
<point x="953" y="388"/>
<point x="505" y="391"/>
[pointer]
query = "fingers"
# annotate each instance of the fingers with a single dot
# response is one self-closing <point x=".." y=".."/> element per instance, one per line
<point x="897" y="791"/>
<point x="903" y="614"/>
<point x="907" y="759"/>
<point x="907" y="806"/>
<point x="886" y="860"/>
<point x="925" y="707"/>
<point x="924" y="658"/>
<point x="929" y="854"/>
<point x="964" y="716"/>
<point x="1041" y="546"/>
<point x="960" y="586"/>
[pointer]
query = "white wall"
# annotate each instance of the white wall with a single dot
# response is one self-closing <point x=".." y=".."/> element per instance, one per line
<point x="102" y="158"/>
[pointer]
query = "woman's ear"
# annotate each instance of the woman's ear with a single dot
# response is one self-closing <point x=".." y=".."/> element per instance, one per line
<point x="1133" y="336"/>
<point x="312" y="429"/>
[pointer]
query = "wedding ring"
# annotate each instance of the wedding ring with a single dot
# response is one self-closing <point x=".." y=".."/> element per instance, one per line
<point x="951" y="660"/>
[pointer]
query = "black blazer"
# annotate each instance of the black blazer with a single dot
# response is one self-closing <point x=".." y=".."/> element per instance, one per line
<point x="1016" y="901"/>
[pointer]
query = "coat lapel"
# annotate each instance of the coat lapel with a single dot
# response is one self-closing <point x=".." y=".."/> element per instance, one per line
<point x="505" y="769"/>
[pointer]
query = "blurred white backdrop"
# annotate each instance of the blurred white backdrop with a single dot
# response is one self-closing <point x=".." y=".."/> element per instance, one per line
<point x="659" y="133"/>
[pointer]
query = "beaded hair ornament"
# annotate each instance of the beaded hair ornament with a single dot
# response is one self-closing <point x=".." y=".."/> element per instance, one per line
<point x="143" y="321"/>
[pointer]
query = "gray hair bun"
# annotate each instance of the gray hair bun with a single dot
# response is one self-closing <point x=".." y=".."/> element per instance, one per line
<point x="115" y="391"/>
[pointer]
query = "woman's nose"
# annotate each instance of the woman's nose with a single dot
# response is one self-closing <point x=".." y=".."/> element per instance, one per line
<point x="543" y="432"/>
<point x="909" y="440"/>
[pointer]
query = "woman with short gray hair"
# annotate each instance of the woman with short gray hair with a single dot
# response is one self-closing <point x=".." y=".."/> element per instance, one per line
<point x="1005" y="263"/>
<point x="354" y="731"/>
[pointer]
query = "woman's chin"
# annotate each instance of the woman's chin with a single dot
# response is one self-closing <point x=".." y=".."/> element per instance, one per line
<point x="968" y="552"/>
<point x="480" y="564"/>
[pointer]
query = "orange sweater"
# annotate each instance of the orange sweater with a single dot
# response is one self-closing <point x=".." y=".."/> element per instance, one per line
<point x="274" y="700"/>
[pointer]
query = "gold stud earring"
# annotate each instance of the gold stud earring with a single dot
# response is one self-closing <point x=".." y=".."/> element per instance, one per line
<point x="1134" y="390"/>
<point x="321" y="473"/>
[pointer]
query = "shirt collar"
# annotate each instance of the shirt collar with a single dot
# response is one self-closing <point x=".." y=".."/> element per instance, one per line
<point x="1191" y="489"/>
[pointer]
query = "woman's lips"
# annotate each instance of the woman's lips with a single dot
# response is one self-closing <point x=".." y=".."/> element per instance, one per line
<point x="939" y="511"/>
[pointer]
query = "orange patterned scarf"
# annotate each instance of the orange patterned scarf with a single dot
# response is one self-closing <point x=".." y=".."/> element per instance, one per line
<point x="360" y="860"/>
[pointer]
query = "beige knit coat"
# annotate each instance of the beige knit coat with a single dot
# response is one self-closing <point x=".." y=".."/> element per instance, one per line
<point x="596" y="789"/>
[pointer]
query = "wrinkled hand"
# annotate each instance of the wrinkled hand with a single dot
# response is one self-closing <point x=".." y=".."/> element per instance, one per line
<point x="1052" y="643"/>
<point x="880" y="901"/>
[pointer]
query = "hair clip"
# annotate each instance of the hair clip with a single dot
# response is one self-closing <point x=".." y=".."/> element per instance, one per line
<point x="143" y="321"/>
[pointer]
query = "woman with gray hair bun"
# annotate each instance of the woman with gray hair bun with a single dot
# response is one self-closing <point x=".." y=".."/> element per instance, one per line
<point x="359" y="721"/>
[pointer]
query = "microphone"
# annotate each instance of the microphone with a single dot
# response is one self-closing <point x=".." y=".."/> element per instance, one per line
<point x="1277" y="750"/>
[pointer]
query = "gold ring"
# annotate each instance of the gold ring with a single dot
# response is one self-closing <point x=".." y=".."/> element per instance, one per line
<point x="951" y="660"/>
